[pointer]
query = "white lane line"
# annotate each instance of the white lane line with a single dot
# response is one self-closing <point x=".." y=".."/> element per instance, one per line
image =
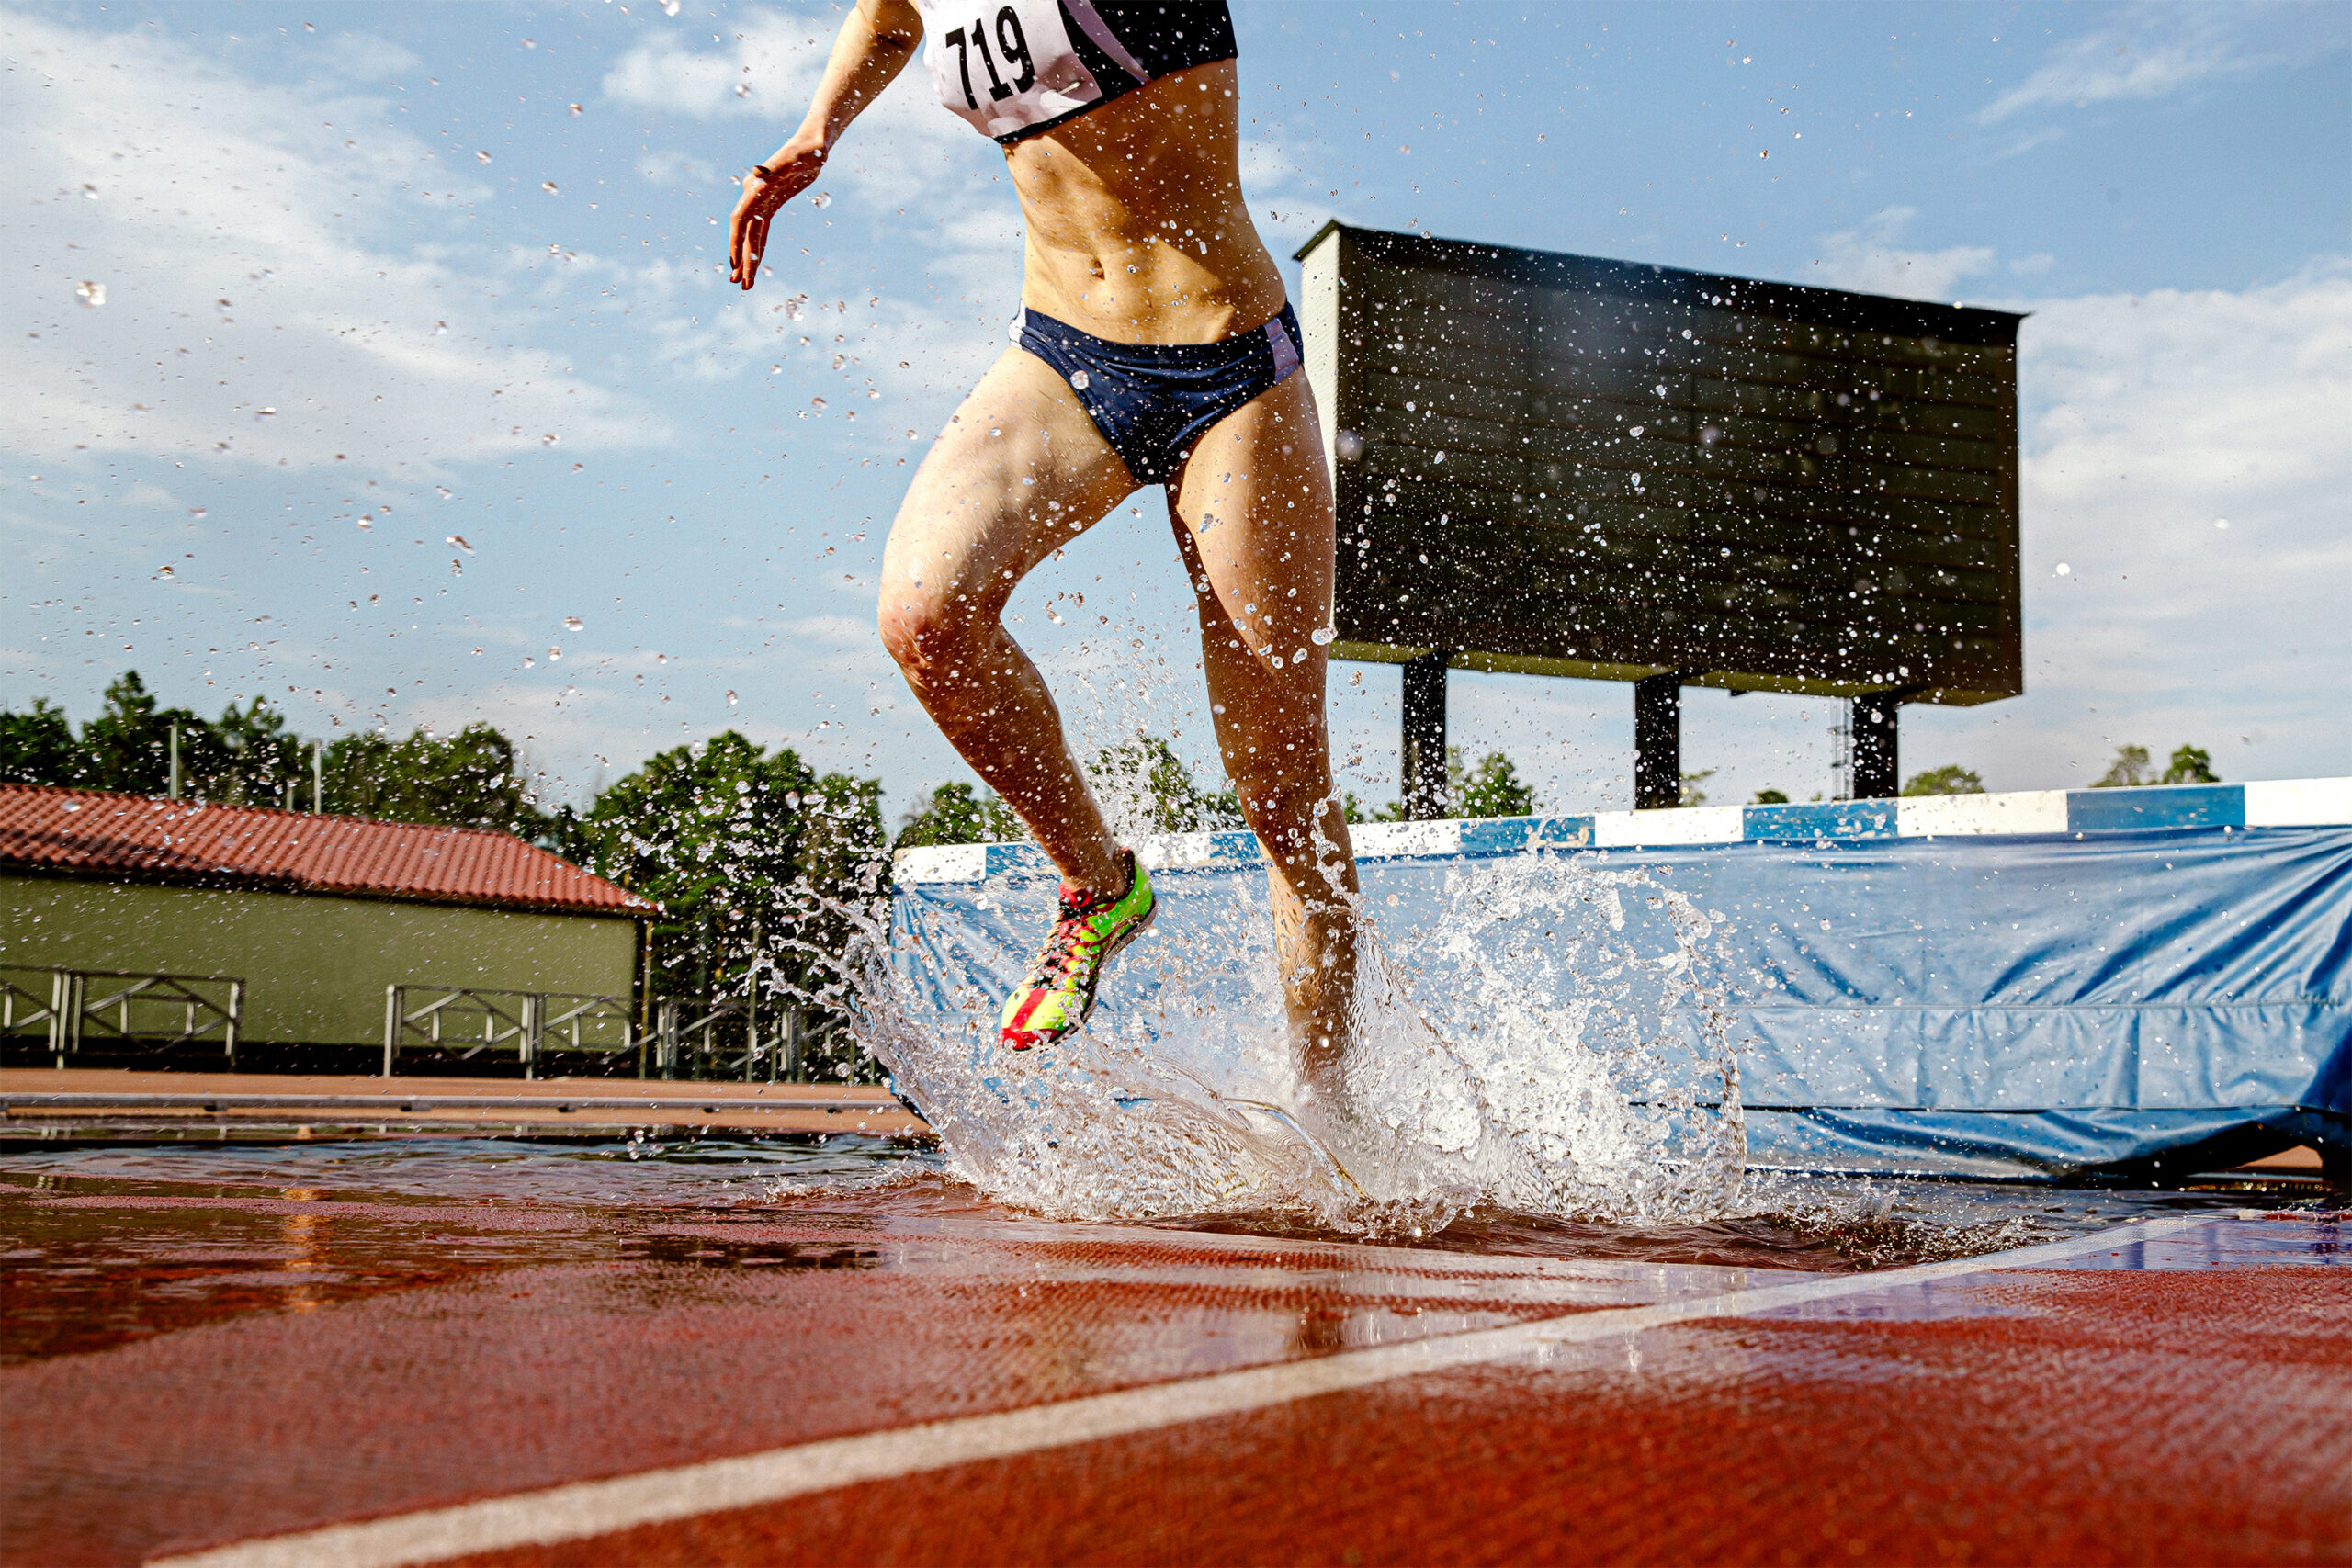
<point x="599" y="1508"/>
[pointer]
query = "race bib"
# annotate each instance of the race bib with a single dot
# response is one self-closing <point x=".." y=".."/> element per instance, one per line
<point x="1004" y="65"/>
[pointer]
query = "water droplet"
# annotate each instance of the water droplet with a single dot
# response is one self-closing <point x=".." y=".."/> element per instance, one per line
<point x="549" y="440"/>
<point x="1322" y="636"/>
<point x="548" y="186"/>
<point x="443" y="491"/>
<point x="1081" y="379"/>
<point x="573" y="624"/>
<point x="1013" y="330"/>
<point x="742" y="89"/>
<point x="196" y="512"/>
<point x="1637" y="429"/>
<point x="2063" y="569"/>
<point x="669" y="7"/>
<point x="730" y="698"/>
<point x="2220" y="522"/>
<point x="439" y="328"/>
<point x="163" y="572"/>
<point x="554" y="654"/>
<point x="796" y="307"/>
<point x="576" y="109"/>
<point x="820" y="199"/>
<point x="90" y="191"/>
<point x="92" y="294"/>
<point x="264" y="413"/>
<point x="1350" y="446"/>
<point x="816" y="402"/>
<point x="481" y="157"/>
<point x="458" y="540"/>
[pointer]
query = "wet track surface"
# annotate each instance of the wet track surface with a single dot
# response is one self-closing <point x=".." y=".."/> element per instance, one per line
<point x="339" y="1334"/>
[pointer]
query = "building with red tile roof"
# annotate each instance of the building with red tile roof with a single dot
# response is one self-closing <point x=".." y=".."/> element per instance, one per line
<point x="332" y="929"/>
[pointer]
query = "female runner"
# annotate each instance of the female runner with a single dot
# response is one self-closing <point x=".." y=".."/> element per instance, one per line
<point x="1155" y="347"/>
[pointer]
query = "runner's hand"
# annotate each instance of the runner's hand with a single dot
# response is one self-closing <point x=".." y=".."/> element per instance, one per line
<point x="793" y="170"/>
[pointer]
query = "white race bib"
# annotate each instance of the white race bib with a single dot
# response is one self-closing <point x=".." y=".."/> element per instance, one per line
<point x="1004" y="65"/>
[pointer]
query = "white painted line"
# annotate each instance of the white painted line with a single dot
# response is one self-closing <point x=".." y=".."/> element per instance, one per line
<point x="1434" y="838"/>
<point x="942" y="863"/>
<point x="1675" y="825"/>
<point x="2021" y="811"/>
<point x="2298" y="802"/>
<point x="599" y="1508"/>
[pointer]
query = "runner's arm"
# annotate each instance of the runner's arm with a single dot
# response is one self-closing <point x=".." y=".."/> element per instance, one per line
<point x="875" y="44"/>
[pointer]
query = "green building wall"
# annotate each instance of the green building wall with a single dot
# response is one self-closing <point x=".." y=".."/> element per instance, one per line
<point x="315" y="965"/>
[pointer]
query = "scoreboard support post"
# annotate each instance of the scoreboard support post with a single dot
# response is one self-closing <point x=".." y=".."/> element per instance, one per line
<point x="1425" y="789"/>
<point x="1870" y="723"/>
<point x="1657" y="741"/>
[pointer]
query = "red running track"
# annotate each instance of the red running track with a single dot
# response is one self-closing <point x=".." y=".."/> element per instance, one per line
<point x="942" y="1384"/>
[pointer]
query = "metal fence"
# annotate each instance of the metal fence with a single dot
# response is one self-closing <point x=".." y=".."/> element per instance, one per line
<point x="734" y="1037"/>
<point x="531" y="1025"/>
<point x="72" y="1006"/>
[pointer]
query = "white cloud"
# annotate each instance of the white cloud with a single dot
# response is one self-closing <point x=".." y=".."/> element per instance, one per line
<point x="2113" y="65"/>
<point x="274" y="292"/>
<point x="1868" y="260"/>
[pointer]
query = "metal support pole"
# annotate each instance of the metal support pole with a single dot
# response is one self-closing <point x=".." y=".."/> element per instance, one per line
<point x="391" y="1026"/>
<point x="236" y="1016"/>
<point x="531" y="1012"/>
<point x="1657" y="741"/>
<point x="60" y="1007"/>
<point x="792" y="1032"/>
<point x="318" y="780"/>
<point x="1424" y="739"/>
<point x="666" y="1051"/>
<point x="176" y="758"/>
<point x="1871" y="722"/>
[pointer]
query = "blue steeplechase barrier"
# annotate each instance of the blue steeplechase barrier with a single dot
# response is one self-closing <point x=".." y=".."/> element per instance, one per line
<point x="2131" y="982"/>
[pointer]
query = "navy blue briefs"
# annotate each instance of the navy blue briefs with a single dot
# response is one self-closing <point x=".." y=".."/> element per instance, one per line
<point x="1152" y="401"/>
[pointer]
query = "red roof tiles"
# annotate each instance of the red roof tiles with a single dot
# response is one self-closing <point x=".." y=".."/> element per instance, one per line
<point x="80" y="832"/>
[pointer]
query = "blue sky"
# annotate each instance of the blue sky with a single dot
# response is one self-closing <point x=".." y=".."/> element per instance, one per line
<point x="377" y="278"/>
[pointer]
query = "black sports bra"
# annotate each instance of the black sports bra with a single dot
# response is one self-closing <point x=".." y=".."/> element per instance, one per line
<point x="1013" y="68"/>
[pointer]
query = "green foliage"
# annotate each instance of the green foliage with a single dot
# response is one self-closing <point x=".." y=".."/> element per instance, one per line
<point x="1691" y="794"/>
<point x="1769" y="797"/>
<point x="1493" y="788"/>
<point x="466" y="780"/>
<point x="2192" y="765"/>
<point x="761" y="867"/>
<point x="37" y="748"/>
<point x="1951" y="778"/>
<point x="2129" y="769"/>
<point x="956" y="814"/>
<point x="128" y="746"/>
<point x="1148" y="771"/>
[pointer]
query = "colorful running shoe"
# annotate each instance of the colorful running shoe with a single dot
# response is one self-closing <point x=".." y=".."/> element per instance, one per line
<point x="1054" y="998"/>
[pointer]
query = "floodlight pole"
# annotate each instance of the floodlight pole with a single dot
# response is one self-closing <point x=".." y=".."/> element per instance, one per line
<point x="1657" y="741"/>
<point x="1871" y="723"/>
<point x="1424" y="741"/>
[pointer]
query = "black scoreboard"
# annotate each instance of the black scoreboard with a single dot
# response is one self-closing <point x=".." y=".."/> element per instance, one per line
<point x="1560" y="464"/>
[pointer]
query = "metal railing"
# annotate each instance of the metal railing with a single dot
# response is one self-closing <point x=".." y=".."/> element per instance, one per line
<point x="157" y="1011"/>
<point x="470" y="1021"/>
<point x="774" y="1050"/>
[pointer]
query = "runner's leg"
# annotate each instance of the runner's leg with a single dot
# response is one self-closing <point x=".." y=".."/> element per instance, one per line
<point x="1252" y="514"/>
<point x="1019" y="471"/>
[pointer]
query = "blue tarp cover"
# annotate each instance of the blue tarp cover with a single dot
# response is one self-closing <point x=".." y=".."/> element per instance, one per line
<point x="1995" y="1006"/>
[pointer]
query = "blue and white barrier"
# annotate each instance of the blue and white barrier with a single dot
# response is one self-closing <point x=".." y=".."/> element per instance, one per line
<point x="2151" y="981"/>
<point x="2286" y="803"/>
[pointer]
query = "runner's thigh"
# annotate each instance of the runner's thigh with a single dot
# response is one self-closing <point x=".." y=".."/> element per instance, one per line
<point x="1020" y="469"/>
<point x="1252" y="511"/>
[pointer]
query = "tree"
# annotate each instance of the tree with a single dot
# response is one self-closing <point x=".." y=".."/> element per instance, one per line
<point x="1951" y="778"/>
<point x="255" y="756"/>
<point x="466" y="780"/>
<point x="955" y="814"/>
<point x="1493" y="788"/>
<point x="128" y="746"/>
<point x="37" y="748"/>
<point x="1691" y="794"/>
<point x="1769" y="797"/>
<point x="2129" y="769"/>
<point x="762" y="871"/>
<point x="2192" y="765"/>
<point x="1146" y="774"/>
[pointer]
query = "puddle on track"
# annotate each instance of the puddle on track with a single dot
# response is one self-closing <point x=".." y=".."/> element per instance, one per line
<point x="104" y="1246"/>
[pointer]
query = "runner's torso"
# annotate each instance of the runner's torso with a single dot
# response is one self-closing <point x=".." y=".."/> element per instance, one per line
<point x="1121" y="126"/>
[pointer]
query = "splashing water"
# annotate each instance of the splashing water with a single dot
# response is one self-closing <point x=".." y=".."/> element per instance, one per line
<point x="1539" y="1034"/>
